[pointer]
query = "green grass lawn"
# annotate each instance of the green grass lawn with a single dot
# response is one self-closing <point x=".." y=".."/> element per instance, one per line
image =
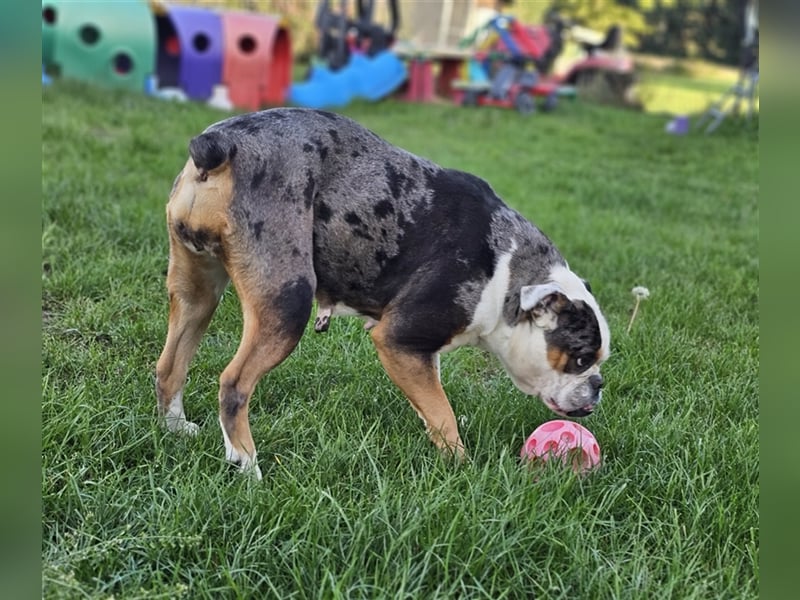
<point x="355" y="502"/>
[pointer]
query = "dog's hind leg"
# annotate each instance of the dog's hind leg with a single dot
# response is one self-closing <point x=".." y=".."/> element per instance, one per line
<point x="417" y="375"/>
<point x="274" y="320"/>
<point x="195" y="283"/>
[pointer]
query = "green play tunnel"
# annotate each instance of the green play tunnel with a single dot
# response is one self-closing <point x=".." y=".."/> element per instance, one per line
<point x="112" y="43"/>
<point x="50" y="10"/>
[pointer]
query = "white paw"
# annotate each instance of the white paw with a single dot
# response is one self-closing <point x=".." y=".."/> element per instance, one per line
<point x="175" y="419"/>
<point x="231" y="454"/>
<point x="247" y="464"/>
<point x="183" y="427"/>
<point x="251" y="469"/>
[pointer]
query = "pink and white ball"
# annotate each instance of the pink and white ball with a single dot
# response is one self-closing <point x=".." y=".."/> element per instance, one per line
<point x="565" y="440"/>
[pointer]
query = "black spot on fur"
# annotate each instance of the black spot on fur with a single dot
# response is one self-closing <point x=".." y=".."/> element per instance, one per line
<point x="395" y="178"/>
<point x="257" y="228"/>
<point x="577" y="333"/>
<point x="383" y="209"/>
<point x="328" y="115"/>
<point x="245" y="124"/>
<point x="293" y="305"/>
<point x="231" y="400"/>
<point x="258" y="178"/>
<point x="308" y="147"/>
<point x="201" y="239"/>
<point x="359" y="229"/>
<point x="334" y="136"/>
<point x="355" y="154"/>
<point x="277" y="179"/>
<point x="198" y="238"/>
<point x="324" y="212"/>
<point x="308" y="191"/>
<point x="353" y="219"/>
<point x="362" y="233"/>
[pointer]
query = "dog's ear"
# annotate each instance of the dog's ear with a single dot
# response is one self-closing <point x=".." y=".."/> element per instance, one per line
<point x="543" y="303"/>
<point x="211" y="149"/>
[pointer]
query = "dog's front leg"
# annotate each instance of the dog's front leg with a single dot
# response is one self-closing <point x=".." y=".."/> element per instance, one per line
<point x="417" y="375"/>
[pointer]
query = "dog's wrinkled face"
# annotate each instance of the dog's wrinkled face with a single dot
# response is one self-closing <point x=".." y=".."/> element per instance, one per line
<point x="558" y="345"/>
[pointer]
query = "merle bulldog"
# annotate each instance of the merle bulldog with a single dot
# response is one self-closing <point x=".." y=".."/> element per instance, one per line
<point x="294" y="204"/>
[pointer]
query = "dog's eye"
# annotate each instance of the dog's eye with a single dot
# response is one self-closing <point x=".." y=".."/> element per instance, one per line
<point x="581" y="361"/>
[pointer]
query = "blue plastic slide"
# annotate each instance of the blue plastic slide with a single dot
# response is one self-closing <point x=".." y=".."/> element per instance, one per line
<point x="362" y="77"/>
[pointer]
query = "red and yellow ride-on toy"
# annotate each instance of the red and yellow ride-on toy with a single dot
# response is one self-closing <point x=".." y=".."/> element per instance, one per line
<point x="513" y="65"/>
<point x="514" y="85"/>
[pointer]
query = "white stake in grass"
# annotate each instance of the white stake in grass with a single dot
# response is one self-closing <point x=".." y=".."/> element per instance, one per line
<point x="640" y="293"/>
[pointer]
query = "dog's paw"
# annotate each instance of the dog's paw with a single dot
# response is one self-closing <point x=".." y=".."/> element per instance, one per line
<point x="182" y="426"/>
<point x="454" y="452"/>
<point x="174" y="418"/>
<point x="251" y="470"/>
<point x="321" y="323"/>
<point x="189" y="428"/>
<point x="247" y="464"/>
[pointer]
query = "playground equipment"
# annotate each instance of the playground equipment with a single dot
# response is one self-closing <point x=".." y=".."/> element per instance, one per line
<point x="516" y="82"/>
<point x="111" y="43"/>
<point x="513" y="86"/>
<point x="354" y="58"/>
<point x="341" y="36"/>
<point x="190" y="48"/>
<point x="257" y="60"/>
<point x="527" y="54"/>
<point x="227" y="58"/>
<point x="49" y="18"/>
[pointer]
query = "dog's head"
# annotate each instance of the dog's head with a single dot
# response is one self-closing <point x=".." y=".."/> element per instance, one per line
<point x="558" y="344"/>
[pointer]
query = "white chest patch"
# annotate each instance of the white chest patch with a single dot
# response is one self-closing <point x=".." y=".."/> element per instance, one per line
<point x="487" y="321"/>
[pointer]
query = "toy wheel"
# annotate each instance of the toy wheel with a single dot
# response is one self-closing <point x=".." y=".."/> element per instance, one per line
<point x="470" y="98"/>
<point x="550" y="102"/>
<point x="524" y="103"/>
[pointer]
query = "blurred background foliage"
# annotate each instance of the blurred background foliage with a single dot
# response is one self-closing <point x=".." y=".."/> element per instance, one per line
<point x="704" y="29"/>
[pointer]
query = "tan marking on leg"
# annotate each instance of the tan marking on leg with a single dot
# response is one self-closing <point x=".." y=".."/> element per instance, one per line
<point x="418" y="378"/>
<point x="195" y="284"/>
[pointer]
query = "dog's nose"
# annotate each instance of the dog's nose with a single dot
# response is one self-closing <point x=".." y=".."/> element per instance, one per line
<point x="596" y="382"/>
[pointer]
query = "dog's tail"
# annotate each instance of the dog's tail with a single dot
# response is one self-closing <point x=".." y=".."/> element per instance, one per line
<point x="211" y="149"/>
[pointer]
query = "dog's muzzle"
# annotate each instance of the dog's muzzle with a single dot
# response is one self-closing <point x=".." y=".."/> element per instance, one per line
<point x="596" y="384"/>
